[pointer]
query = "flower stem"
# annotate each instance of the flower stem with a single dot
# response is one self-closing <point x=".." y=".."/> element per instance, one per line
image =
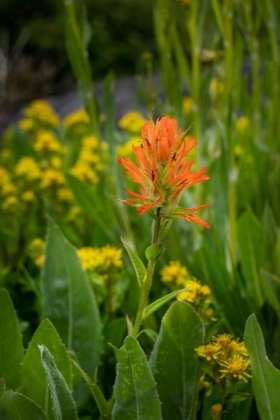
<point x="148" y="280"/>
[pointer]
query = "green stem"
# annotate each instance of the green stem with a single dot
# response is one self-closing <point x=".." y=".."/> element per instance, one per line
<point x="148" y="281"/>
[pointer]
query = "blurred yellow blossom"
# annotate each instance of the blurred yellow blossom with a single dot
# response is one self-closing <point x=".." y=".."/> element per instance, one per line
<point x="90" y="142"/>
<point x="8" y="189"/>
<point x="216" y="412"/>
<point x="90" y="257"/>
<point x="42" y="113"/>
<point x="132" y="122"/>
<point x="101" y="259"/>
<point x="84" y="172"/>
<point x="27" y="167"/>
<point x="56" y="162"/>
<point x="36" y="250"/>
<point x="51" y="177"/>
<point x="76" y="118"/>
<point x="174" y="273"/>
<point x="10" y="203"/>
<point x="242" y="123"/>
<point x="4" y="176"/>
<point x="125" y="149"/>
<point x="28" y="196"/>
<point x="45" y="141"/>
<point x="65" y="194"/>
<point x="194" y="291"/>
<point x="188" y="104"/>
<point x="26" y="124"/>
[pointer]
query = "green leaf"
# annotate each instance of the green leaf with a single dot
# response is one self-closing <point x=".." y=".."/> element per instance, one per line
<point x="138" y="265"/>
<point x="35" y="382"/>
<point x="251" y="243"/>
<point x="129" y="325"/>
<point x="265" y="377"/>
<point x="15" y="406"/>
<point x="272" y="289"/>
<point x="95" y="390"/>
<point x="150" y="333"/>
<point x="69" y="301"/>
<point x="2" y="387"/>
<point x="174" y="363"/>
<point x="11" y="349"/>
<point x="63" y="403"/>
<point x="135" y="388"/>
<point x="150" y="309"/>
<point x="153" y="252"/>
<point x="237" y="397"/>
<point x="164" y="228"/>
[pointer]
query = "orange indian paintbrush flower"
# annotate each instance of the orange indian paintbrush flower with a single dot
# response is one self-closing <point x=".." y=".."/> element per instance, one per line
<point x="163" y="171"/>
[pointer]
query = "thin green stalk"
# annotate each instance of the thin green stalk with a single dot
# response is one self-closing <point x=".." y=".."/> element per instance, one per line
<point x="148" y="281"/>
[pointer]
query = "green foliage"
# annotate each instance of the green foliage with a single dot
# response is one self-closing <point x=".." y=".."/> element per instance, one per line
<point x="35" y="385"/>
<point x="135" y="389"/>
<point x="64" y="407"/>
<point x="174" y="362"/>
<point x="11" y="349"/>
<point x="138" y="265"/>
<point x="69" y="302"/>
<point x="14" y="405"/>
<point x="265" y="377"/>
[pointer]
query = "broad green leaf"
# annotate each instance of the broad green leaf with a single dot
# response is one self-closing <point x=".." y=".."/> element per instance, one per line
<point x="69" y="301"/>
<point x="11" y="349"/>
<point x="153" y="252"/>
<point x="150" y="309"/>
<point x="265" y="377"/>
<point x="63" y="404"/>
<point x="15" y="406"/>
<point x="135" y="388"/>
<point x="251" y="243"/>
<point x="174" y="363"/>
<point x="138" y="265"/>
<point x="35" y="382"/>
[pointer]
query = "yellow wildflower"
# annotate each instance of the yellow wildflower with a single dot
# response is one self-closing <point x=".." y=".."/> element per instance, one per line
<point x="74" y="214"/>
<point x="28" y="196"/>
<point x="64" y="194"/>
<point x="188" y="105"/>
<point x="112" y="257"/>
<point x="76" y="118"/>
<point x="90" y="142"/>
<point x="132" y="122"/>
<point x="125" y="149"/>
<point x="174" y="273"/>
<point x="223" y="340"/>
<point x="46" y="142"/>
<point x="36" y="250"/>
<point x="210" y="351"/>
<point x="56" y="162"/>
<point x="89" y="157"/>
<point x="27" y="167"/>
<point x="194" y="291"/>
<point x="4" y="176"/>
<point x="90" y="258"/>
<point x="42" y="112"/>
<point x="188" y="296"/>
<point x="84" y="172"/>
<point x="242" y="124"/>
<point x="52" y="177"/>
<point x="238" y="348"/>
<point x="216" y="412"/>
<point x="8" y="189"/>
<point x="235" y="368"/>
<point x="26" y="124"/>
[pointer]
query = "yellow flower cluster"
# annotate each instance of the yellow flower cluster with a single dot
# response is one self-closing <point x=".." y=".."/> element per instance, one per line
<point x="38" y="114"/>
<point x="125" y="149"/>
<point x="174" y="273"/>
<point x="132" y="122"/>
<point x="228" y="358"/>
<point x="101" y="260"/>
<point x="36" y="250"/>
<point x="45" y="141"/>
<point x="188" y="105"/>
<point x="89" y="162"/>
<point x="242" y="124"/>
<point x="28" y="168"/>
<point x="194" y="292"/>
<point x="76" y="118"/>
<point x="216" y="412"/>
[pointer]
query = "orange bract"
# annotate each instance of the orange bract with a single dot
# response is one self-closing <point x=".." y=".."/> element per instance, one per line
<point x="163" y="171"/>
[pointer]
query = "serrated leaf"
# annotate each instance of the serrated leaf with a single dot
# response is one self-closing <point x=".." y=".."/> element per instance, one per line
<point x="265" y="377"/>
<point x="11" y="349"/>
<point x="69" y="301"/>
<point x="63" y="403"/>
<point x="153" y="252"/>
<point x="174" y="363"/>
<point x="15" y="406"/>
<point x="150" y="309"/>
<point x="135" y="388"/>
<point x="138" y="265"/>
<point x="35" y="382"/>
